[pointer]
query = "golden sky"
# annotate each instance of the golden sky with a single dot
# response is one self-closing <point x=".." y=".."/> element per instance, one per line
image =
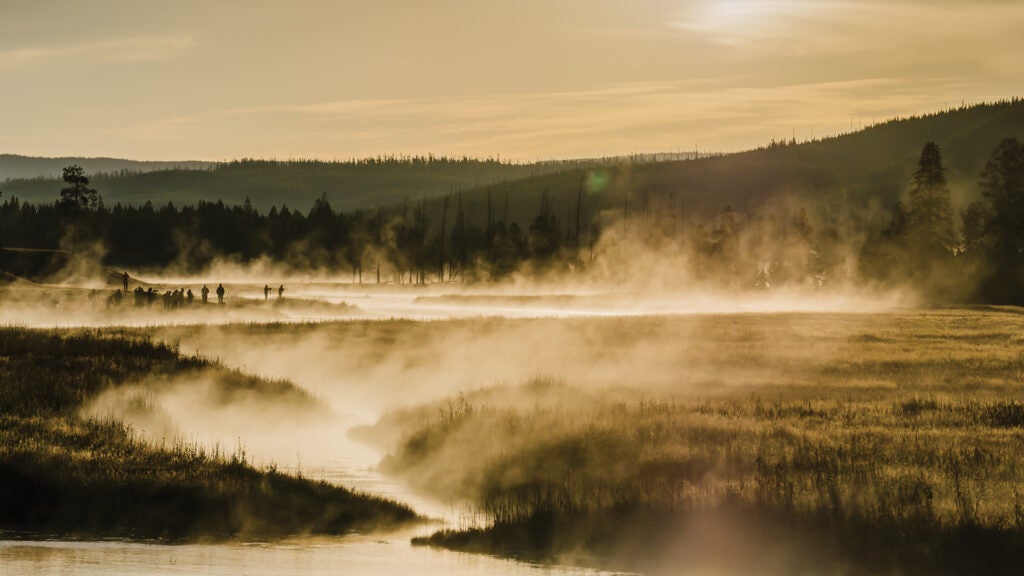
<point x="523" y="79"/>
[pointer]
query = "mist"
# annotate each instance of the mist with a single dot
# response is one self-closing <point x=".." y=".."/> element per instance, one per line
<point x="473" y="399"/>
<point x="760" y="312"/>
<point x="363" y="369"/>
<point x="477" y="361"/>
<point x="618" y="317"/>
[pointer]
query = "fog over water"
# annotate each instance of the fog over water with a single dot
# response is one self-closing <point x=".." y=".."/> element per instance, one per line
<point x="447" y="340"/>
<point x="359" y="374"/>
<point x="52" y="306"/>
<point x="317" y="447"/>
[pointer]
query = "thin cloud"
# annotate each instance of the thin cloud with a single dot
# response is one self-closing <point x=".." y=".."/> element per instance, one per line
<point x="618" y="118"/>
<point x="722" y="114"/>
<point x="654" y="76"/>
<point x="130" y="49"/>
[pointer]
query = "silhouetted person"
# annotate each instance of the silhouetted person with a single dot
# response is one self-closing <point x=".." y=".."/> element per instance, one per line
<point x="220" y="293"/>
<point x="124" y="282"/>
<point x="206" y="293"/>
<point x="188" y="296"/>
<point x="280" y="291"/>
<point x="266" y="292"/>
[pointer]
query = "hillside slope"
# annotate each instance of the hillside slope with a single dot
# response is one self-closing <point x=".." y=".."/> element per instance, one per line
<point x="861" y="174"/>
<point x="361" y="184"/>
<point x="14" y="166"/>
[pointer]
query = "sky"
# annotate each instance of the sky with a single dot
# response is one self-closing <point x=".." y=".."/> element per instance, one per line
<point x="516" y="79"/>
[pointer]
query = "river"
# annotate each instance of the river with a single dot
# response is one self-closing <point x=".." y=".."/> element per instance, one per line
<point x="382" y="554"/>
<point x="389" y="554"/>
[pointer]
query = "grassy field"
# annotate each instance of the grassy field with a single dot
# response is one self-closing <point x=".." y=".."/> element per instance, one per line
<point x="63" y="473"/>
<point x="851" y="444"/>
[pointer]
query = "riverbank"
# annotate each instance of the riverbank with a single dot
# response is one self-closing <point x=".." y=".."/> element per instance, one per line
<point x="68" y="471"/>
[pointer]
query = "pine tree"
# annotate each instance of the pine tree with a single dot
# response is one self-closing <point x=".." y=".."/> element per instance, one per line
<point x="1002" y="186"/>
<point x="994" y="226"/>
<point x="77" y="196"/>
<point x="929" y="211"/>
<point x="78" y="202"/>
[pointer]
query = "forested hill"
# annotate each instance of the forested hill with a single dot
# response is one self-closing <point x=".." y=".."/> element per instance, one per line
<point x="863" y="172"/>
<point x="349" y="185"/>
<point x="866" y="171"/>
<point x="14" y="166"/>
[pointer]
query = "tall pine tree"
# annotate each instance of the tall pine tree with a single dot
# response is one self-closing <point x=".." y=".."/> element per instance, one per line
<point x="929" y="223"/>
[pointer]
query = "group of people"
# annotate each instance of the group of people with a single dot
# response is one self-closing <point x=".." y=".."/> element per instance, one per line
<point x="172" y="299"/>
<point x="267" y="290"/>
<point x="145" y="297"/>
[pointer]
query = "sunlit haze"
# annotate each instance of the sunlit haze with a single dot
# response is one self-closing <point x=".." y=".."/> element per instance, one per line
<point x="516" y="288"/>
<point x="520" y="80"/>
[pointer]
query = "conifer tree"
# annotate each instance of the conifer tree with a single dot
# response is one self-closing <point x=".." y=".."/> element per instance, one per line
<point x="929" y="211"/>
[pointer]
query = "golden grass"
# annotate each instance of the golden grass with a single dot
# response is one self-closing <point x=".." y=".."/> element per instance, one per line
<point x="891" y="441"/>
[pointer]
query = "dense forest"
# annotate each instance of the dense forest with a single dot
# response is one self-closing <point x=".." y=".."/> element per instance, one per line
<point x="777" y="244"/>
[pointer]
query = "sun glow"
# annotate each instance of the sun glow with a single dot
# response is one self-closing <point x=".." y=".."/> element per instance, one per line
<point x="738" y="21"/>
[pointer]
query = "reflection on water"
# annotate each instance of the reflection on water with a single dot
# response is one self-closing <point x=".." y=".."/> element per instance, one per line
<point x="354" y="554"/>
<point x="384" y="554"/>
<point x="352" y="474"/>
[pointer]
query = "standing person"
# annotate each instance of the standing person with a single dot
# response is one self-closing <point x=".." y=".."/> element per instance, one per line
<point x="206" y="293"/>
<point x="220" y="293"/>
<point x="280" y="292"/>
<point x="266" y="292"/>
<point x="124" y="282"/>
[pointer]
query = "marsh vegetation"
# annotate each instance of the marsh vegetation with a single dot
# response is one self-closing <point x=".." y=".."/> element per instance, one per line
<point x="788" y="443"/>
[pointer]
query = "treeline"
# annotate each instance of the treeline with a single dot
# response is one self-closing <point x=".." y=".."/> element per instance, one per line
<point x="398" y="244"/>
<point x="14" y="166"/>
<point x="649" y="233"/>
<point x="348" y="185"/>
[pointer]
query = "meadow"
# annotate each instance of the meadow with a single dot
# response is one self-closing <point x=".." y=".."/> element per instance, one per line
<point x="70" y="469"/>
<point x="778" y="443"/>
